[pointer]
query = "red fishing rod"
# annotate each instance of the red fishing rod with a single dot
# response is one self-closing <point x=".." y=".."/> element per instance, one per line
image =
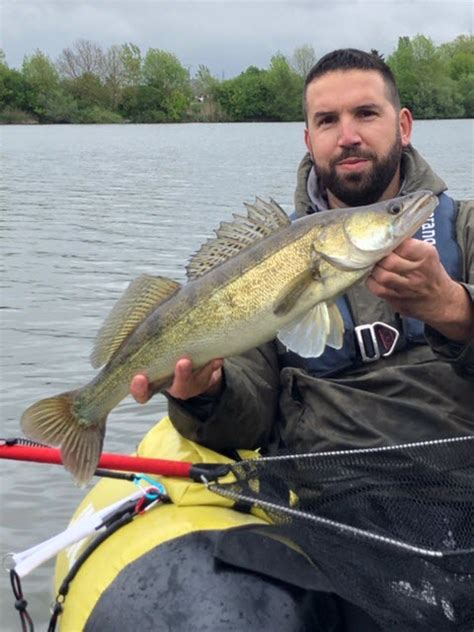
<point x="23" y="450"/>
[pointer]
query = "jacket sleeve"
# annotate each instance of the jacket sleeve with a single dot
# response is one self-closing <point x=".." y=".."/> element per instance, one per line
<point x="244" y="414"/>
<point x="459" y="354"/>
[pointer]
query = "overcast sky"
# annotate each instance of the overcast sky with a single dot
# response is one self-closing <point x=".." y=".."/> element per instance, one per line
<point x="226" y="36"/>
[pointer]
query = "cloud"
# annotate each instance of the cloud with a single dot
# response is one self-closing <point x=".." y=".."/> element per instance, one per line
<point x="227" y="36"/>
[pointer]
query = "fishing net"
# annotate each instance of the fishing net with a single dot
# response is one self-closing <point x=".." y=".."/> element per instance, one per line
<point x="390" y="530"/>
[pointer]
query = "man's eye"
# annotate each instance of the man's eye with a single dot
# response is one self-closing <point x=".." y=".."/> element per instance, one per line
<point x="366" y="113"/>
<point x="327" y="120"/>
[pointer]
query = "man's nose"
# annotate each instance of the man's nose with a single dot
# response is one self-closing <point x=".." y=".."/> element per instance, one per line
<point x="348" y="133"/>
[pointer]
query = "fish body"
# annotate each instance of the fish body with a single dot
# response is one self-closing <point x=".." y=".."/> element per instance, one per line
<point x="262" y="277"/>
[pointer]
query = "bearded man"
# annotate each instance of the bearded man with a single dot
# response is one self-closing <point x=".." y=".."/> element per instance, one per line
<point x="407" y="378"/>
<point x="359" y="152"/>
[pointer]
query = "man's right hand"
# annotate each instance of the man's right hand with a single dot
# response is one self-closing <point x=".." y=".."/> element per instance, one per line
<point x="187" y="382"/>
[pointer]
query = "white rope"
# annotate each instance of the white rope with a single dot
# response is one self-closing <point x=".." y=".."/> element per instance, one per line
<point x="29" y="559"/>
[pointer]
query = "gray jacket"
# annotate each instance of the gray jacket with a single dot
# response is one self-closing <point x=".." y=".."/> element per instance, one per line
<point x="421" y="392"/>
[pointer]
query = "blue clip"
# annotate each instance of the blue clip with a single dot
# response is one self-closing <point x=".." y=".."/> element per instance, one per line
<point x="161" y="491"/>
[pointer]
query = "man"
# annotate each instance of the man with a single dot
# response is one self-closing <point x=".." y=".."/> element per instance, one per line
<point x="358" y="139"/>
<point x="359" y="151"/>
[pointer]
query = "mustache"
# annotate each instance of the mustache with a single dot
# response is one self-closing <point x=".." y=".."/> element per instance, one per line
<point x="353" y="152"/>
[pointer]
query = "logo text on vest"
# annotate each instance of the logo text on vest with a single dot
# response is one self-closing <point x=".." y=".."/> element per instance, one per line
<point x="428" y="232"/>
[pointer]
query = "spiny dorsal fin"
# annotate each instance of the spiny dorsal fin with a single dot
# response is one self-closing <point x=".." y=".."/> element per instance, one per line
<point x="141" y="297"/>
<point x="263" y="219"/>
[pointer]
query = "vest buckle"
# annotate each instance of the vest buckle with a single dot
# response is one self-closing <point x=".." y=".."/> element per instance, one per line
<point x="376" y="340"/>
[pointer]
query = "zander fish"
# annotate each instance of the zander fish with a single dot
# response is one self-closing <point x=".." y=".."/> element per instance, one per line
<point x="262" y="276"/>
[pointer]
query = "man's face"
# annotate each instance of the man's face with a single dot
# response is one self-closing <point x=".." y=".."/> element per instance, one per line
<point x="355" y="136"/>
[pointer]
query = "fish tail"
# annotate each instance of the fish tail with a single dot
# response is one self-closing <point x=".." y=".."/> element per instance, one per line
<point x="57" y="421"/>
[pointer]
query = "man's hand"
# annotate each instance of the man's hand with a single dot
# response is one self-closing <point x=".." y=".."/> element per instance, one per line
<point x="186" y="382"/>
<point x="413" y="281"/>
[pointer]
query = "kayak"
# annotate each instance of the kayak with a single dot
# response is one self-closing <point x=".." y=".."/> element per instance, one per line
<point x="158" y="571"/>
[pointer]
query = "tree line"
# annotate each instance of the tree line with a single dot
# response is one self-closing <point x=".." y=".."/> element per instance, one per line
<point x="88" y="84"/>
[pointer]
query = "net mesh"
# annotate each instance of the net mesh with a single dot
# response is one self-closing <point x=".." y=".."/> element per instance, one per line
<point x="390" y="530"/>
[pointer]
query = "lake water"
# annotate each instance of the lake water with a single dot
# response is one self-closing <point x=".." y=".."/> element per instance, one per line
<point x="84" y="210"/>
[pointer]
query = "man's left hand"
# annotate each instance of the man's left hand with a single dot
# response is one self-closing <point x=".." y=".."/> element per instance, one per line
<point x="414" y="282"/>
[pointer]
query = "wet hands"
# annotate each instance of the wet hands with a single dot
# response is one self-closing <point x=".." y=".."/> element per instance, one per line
<point x="186" y="383"/>
<point x="414" y="282"/>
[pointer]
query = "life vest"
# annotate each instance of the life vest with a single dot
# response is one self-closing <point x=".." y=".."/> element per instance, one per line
<point x="440" y="231"/>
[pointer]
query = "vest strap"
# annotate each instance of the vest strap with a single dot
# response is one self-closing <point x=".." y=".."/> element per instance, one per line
<point x="376" y="340"/>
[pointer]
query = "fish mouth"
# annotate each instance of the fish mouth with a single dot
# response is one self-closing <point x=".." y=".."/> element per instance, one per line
<point x="416" y="215"/>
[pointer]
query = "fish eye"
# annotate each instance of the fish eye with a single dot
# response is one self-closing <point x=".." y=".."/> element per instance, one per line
<point x="394" y="209"/>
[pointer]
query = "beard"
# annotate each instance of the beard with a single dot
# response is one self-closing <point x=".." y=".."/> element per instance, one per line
<point x="357" y="189"/>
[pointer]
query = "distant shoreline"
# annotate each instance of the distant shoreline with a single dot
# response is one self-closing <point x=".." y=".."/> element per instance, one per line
<point x="122" y="84"/>
<point x="34" y="123"/>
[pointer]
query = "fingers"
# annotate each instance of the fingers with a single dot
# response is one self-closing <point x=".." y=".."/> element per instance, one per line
<point x="397" y="264"/>
<point x="186" y="382"/>
<point x="140" y="389"/>
<point x="413" y="249"/>
<point x="386" y="282"/>
<point x="408" y="271"/>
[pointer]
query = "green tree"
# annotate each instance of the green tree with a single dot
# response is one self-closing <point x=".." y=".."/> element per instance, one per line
<point x="423" y="78"/>
<point x="402" y="64"/>
<point x="465" y="94"/>
<point x="131" y="58"/>
<point x="458" y="56"/>
<point x="45" y="96"/>
<point x="167" y="86"/>
<point x="286" y="87"/>
<point x="88" y="90"/>
<point x="13" y="94"/>
<point x="246" y="97"/>
<point x="91" y="98"/>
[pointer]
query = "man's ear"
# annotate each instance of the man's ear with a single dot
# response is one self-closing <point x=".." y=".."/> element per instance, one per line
<point x="406" y="126"/>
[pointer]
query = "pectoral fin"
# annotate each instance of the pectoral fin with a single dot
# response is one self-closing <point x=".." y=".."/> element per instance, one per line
<point x="323" y="325"/>
<point x="336" y="327"/>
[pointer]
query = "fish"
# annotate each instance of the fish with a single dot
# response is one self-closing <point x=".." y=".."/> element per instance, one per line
<point x="262" y="276"/>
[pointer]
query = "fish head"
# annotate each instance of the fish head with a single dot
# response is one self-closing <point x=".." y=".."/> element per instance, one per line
<point x="382" y="226"/>
<point x="356" y="238"/>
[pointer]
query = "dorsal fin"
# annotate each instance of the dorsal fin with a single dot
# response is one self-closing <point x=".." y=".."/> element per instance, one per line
<point x="141" y="297"/>
<point x="263" y="219"/>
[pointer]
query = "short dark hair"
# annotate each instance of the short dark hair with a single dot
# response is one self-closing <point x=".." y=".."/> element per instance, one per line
<point x="353" y="59"/>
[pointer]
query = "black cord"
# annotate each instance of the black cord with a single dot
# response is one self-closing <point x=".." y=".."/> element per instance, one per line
<point x="20" y="602"/>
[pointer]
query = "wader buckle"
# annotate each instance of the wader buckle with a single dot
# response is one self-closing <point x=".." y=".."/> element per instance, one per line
<point x="376" y="340"/>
